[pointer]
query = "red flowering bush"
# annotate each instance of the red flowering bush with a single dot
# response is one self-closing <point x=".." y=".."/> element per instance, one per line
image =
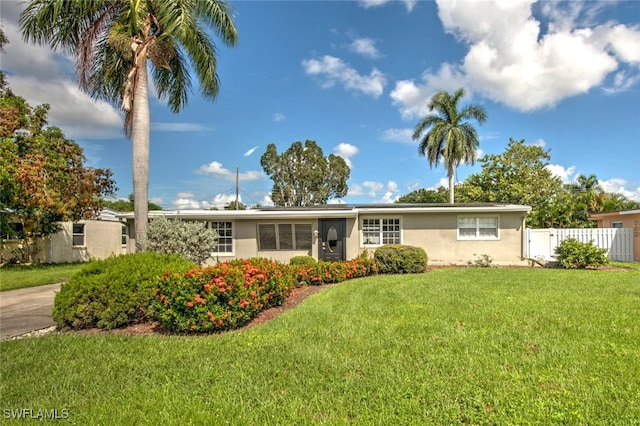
<point x="334" y="272"/>
<point x="221" y="297"/>
<point x="228" y="295"/>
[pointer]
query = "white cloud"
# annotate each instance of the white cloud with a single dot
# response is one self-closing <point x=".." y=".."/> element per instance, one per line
<point x="374" y="189"/>
<point x="619" y="186"/>
<point x="539" y="143"/>
<point x="331" y="70"/>
<point x="178" y="127"/>
<point x="186" y="204"/>
<point x="188" y="201"/>
<point x="365" y="47"/>
<point x="408" y="4"/>
<point x="444" y="182"/>
<point x="279" y="117"/>
<point x="251" y="151"/>
<point x="216" y="169"/>
<point x="562" y="172"/>
<point x="346" y="151"/>
<point x="220" y="201"/>
<point x="412" y="98"/>
<point x="511" y="60"/>
<point x="41" y="76"/>
<point x="398" y="135"/>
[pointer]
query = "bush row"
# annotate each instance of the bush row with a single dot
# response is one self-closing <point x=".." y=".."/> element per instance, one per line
<point x="334" y="272"/>
<point x="136" y="288"/>
<point x="229" y="295"/>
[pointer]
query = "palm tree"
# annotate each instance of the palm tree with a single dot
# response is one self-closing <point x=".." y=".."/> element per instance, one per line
<point x="449" y="137"/>
<point x="112" y="42"/>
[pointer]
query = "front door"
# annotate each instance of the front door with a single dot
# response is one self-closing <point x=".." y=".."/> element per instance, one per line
<point x="332" y="242"/>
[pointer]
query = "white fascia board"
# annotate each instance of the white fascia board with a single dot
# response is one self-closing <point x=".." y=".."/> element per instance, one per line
<point x="446" y="209"/>
<point x="246" y="214"/>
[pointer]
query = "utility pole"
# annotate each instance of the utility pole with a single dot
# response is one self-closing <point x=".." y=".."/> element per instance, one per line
<point x="237" y="186"/>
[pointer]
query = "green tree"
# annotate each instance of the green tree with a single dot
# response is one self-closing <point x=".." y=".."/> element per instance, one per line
<point x="113" y="40"/>
<point x="42" y="174"/>
<point x="439" y="195"/>
<point x="517" y="176"/>
<point x="303" y="176"/>
<point x="448" y="136"/>
<point x="127" y="205"/>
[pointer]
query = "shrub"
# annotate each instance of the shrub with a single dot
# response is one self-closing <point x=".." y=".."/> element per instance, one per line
<point x="221" y="297"/>
<point x="482" y="261"/>
<point x="572" y="254"/>
<point x="334" y="272"/>
<point x="114" y="292"/>
<point x="190" y="240"/>
<point x="400" y="259"/>
<point x="302" y="260"/>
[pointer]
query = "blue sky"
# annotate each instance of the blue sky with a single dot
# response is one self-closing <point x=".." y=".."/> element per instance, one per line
<point x="355" y="76"/>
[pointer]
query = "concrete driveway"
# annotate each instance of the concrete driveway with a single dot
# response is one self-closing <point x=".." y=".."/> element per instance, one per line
<point x="25" y="310"/>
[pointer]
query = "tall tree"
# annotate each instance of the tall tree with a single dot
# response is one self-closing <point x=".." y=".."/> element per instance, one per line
<point x="113" y="40"/>
<point x="448" y="136"/>
<point x="517" y="176"/>
<point x="303" y="176"/>
<point x="42" y="175"/>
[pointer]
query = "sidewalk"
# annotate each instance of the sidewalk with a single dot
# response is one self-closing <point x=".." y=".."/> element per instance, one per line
<point x="26" y="310"/>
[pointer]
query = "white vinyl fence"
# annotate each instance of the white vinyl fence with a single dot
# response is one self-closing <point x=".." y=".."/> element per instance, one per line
<point x="541" y="243"/>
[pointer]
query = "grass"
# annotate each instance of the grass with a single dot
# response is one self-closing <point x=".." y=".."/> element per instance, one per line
<point x="466" y="345"/>
<point x="13" y="277"/>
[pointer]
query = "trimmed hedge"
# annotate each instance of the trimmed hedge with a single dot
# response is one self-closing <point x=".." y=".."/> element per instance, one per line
<point x="400" y="259"/>
<point x="334" y="272"/>
<point x="114" y="292"/>
<point x="302" y="260"/>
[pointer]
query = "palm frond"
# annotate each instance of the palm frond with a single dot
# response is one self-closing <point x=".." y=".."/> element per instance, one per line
<point x="218" y="15"/>
<point x="173" y="84"/>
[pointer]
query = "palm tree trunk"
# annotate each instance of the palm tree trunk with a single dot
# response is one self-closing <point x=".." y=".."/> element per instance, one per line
<point x="451" y="189"/>
<point x="140" y="137"/>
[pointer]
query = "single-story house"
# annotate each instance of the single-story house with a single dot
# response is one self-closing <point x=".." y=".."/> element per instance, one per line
<point x="76" y="241"/>
<point x="622" y="219"/>
<point x="449" y="233"/>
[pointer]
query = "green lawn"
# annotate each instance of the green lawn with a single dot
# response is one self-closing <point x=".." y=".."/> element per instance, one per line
<point x="22" y="276"/>
<point x="452" y="346"/>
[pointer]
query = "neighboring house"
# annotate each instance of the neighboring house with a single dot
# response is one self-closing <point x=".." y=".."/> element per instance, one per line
<point x="76" y="241"/>
<point x="622" y="219"/>
<point x="450" y="234"/>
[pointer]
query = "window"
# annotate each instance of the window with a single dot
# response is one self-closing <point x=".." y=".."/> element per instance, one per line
<point x="123" y="237"/>
<point x="225" y="236"/>
<point x="12" y="231"/>
<point x="616" y="224"/>
<point x="381" y="231"/>
<point x="284" y="236"/>
<point x="78" y="234"/>
<point x="303" y="236"/>
<point x="478" y="228"/>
